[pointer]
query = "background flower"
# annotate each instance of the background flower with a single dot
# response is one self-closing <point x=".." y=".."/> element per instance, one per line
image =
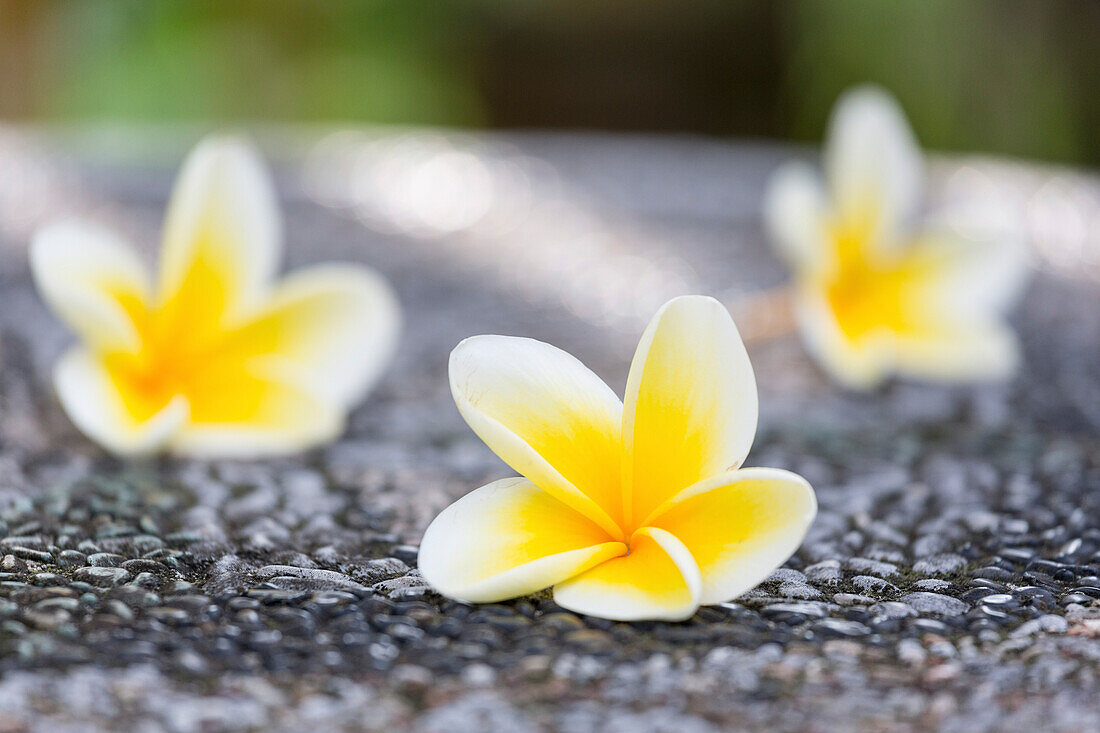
<point x="878" y="289"/>
<point x="215" y="357"/>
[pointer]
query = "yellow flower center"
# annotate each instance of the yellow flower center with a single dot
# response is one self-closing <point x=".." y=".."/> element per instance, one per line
<point x="187" y="349"/>
<point x="867" y="290"/>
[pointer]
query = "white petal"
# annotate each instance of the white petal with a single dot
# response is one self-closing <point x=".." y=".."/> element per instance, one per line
<point x="94" y="403"/>
<point x="509" y="539"/>
<point x="92" y="280"/>
<point x="740" y="526"/>
<point x="337" y="324"/>
<point x="691" y="402"/>
<point x="976" y="352"/>
<point x="222" y="234"/>
<point x="795" y="216"/>
<point x="547" y="416"/>
<point x="658" y="580"/>
<point x="982" y="265"/>
<point x="873" y="164"/>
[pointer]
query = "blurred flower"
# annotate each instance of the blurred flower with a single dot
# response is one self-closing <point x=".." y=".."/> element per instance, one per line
<point x="635" y="511"/>
<point x="874" y="291"/>
<point x="216" y="358"/>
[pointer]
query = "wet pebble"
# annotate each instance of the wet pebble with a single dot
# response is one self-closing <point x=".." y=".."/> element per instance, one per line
<point x="939" y="564"/>
<point x="871" y="584"/>
<point x="826" y="572"/>
<point x="935" y="603"/>
<point x="106" y="560"/>
<point x="103" y="577"/>
<point x="868" y="566"/>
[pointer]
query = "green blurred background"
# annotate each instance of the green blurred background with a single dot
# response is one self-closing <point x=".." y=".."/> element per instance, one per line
<point x="1015" y="77"/>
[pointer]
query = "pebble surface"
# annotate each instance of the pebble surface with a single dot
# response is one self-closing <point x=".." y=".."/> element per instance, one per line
<point x="951" y="581"/>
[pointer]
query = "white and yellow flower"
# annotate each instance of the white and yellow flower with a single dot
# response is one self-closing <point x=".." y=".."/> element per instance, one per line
<point x="875" y="290"/>
<point x="215" y="357"/>
<point x="635" y="511"/>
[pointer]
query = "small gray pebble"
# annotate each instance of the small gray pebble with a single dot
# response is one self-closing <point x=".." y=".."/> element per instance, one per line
<point x="935" y="603"/>
<point x="939" y="564"/>
<point x="872" y="567"/>
<point x="798" y="589"/>
<point x="103" y="577"/>
<point x="871" y="584"/>
<point x="826" y="572"/>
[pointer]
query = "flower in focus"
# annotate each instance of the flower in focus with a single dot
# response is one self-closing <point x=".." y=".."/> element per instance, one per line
<point x="630" y="511"/>
<point x="875" y="290"/>
<point x="215" y="358"/>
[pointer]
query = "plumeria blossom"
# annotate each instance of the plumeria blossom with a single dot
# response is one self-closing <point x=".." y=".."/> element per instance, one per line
<point x="215" y="357"/>
<point x="876" y="290"/>
<point x="630" y="511"/>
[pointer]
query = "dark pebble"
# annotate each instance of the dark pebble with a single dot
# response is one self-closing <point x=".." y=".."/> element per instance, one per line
<point x="929" y="626"/>
<point x="1018" y="555"/>
<point x="169" y="615"/>
<point x="51" y="579"/>
<point x="406" y="553"/>
<point x="976" y="594"/>
<point x="103" y="577"/>
<point x="142" y="565"/>
<point x="20" y="539"/>
<point x="1003" y="601"/>
<point x="589" y="640"/>
<point x="562" y="621"/>
<point x="115" y="530"/>
<point x="1076" y="598"/>
<point x="839" y="628"/>
<point x="27" y="553"/>
<point x="106" y="560"/>
<point x="72" y="558"/>
<point x="133" y="595"/>
<point x="1092" y="591"/>
<point x="147" y="580"/>
<point x="992" y="572"/>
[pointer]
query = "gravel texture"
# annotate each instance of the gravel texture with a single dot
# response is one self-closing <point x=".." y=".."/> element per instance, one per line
<point x="950" y="581"/>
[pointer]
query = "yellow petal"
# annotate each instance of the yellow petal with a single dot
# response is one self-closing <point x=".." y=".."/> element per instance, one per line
<point x="873" y="167"/>
<point x="740" y="526"/>
<point x="795" y="215"/>
<point x="691" y="403"/>
<point x="547" y="416"/>
<point x="658" y="580"/>
<point x="221" y="238"/>
<point x="856" y="363"/>
<point x="254" y="411"/>
<point x="93" y="281"/>
<point x="96" y="404"/>
<point x="335" y="324"/>
<point x="508" y="539"/>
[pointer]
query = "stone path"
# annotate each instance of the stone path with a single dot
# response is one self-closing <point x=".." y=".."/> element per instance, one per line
<point x="949" y="582"/>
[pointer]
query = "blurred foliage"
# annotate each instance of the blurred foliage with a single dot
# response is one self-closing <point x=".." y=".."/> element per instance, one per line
<point x="1012" y="76"/>
<point x="1015" y="76"/>
<point x="378" y="60"/>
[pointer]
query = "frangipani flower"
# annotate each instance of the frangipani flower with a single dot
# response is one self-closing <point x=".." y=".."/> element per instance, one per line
<point x="874" y="292"/>
<point x="630" y="511"/>
<point x="216" y="357"/>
